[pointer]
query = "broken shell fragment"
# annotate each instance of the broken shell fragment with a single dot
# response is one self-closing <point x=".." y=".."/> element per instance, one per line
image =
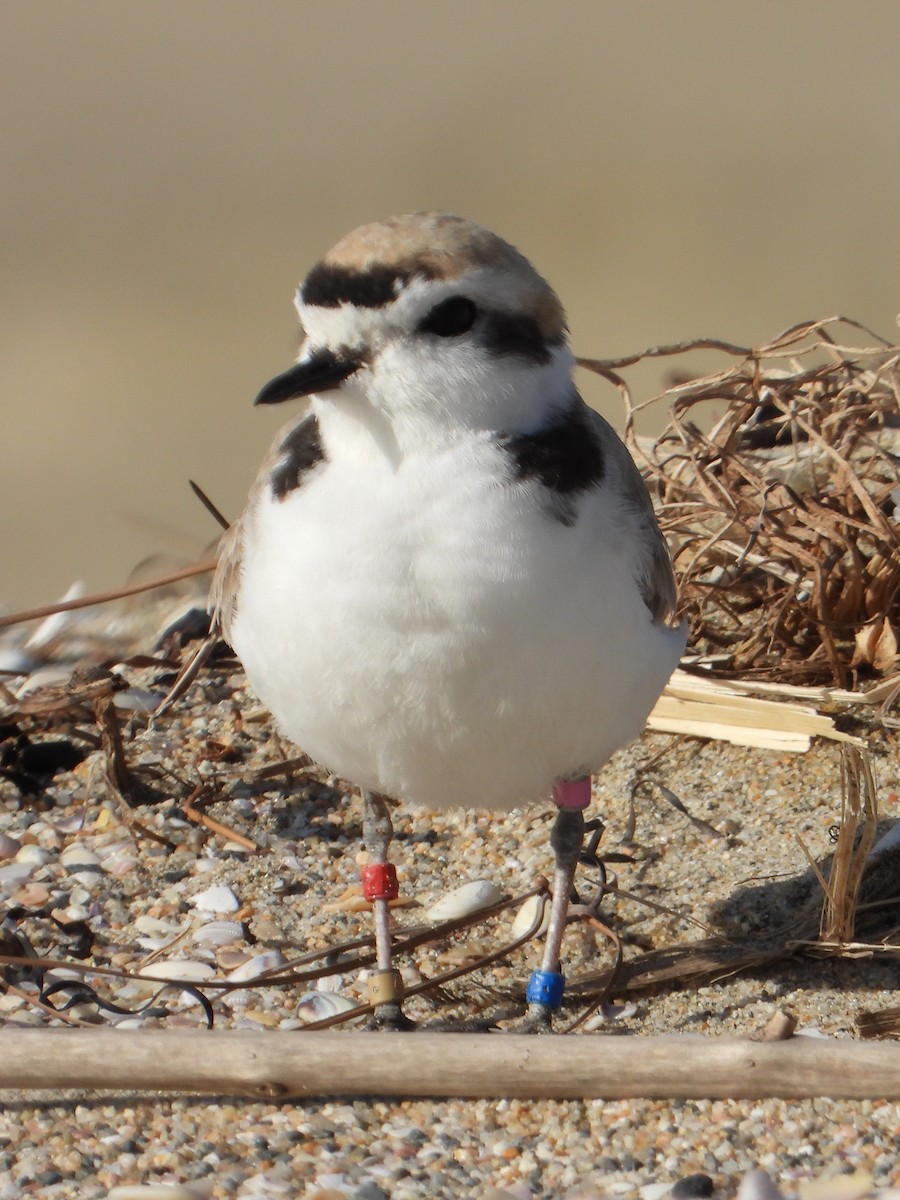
<point x="270" y="960"/>
<point x="218" y="899"/>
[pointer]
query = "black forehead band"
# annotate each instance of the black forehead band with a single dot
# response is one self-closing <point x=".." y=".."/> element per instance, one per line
<point x="328" y="287"/>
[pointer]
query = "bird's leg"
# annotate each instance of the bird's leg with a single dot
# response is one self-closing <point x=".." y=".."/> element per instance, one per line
<point x="545" y="988"/>
<point x="379" y="885"/>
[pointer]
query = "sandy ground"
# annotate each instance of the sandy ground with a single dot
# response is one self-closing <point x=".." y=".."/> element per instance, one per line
<point x="734" y="866"/>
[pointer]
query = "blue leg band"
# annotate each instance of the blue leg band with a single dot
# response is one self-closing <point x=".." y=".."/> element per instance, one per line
<point x="545" y="987"/>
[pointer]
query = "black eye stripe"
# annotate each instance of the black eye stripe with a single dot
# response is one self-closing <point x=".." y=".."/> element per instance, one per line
<point x="509" y="336"/>
<point x="327" y="286"/>
<point x="451" y="318"/>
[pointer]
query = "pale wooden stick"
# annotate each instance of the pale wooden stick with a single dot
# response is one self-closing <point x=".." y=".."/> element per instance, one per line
<point x="279" y="1064"/>
<point x="131" y="589"/>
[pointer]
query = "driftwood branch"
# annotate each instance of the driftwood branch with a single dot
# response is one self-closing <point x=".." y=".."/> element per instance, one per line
<point x="281" y="1065"/>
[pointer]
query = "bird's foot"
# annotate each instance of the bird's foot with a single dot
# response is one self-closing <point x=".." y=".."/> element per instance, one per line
<point x="390" y="1018"/>
<point x="538" y="1019"/>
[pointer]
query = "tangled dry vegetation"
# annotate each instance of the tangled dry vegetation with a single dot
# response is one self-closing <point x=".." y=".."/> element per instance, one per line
<point x="778" y="486"/>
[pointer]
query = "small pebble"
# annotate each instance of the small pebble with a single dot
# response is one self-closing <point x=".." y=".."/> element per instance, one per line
<point x="758" y="1185"/>
<point x="33" y="895"/>
<point x="655" y="1191"/>
<point x="33" y="855"/>
<point x="9" y="847"/>
<point x="14" y="873"/>
<point x="77" y="857"/>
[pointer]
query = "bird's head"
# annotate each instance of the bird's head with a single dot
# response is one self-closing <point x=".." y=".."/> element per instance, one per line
<point x="431" y="324"/>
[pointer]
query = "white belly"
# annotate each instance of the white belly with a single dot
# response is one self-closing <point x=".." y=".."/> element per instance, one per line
<point x="434" y="635"/>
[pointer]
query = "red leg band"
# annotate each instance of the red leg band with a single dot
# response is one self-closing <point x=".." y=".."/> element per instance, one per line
<point x="379" y="881"/>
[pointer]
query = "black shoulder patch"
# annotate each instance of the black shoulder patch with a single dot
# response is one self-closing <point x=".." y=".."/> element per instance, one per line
<point x="300" y="451"/>
<point x="329" y="287"/>
<point x="565" y="456"/>
<point x="507" y="335"/>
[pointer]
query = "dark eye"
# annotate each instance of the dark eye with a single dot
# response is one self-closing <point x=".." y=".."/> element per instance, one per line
<point x="451" y="317"/>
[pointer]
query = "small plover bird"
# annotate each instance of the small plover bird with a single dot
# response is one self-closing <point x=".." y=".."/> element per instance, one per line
<point x="448" y="584"/>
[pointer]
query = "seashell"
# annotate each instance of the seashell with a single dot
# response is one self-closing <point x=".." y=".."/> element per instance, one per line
<point x="72" y="822"/>
<point x="608" y="1013"/>
<point x="45" y="677"/>
<point x="9" y="847"/>
<point x="14" y="661"/>
<point x="267" y="961"/>
<point x="318" y="1006"/>
<point x="14" y="873"/>
<point x="153" y="926"/>
<point x="217" y="899"/>
<point x="329" y="983"/>
<point x="77" y="857"/>
<point x="462" y="901"/>
<point x="136" y="1022"/>
<point x="187" y="969"/>
<point x="527" y="915"/>
<point x="59" y="973"/>
<point x="51" y="627"/>
<point x="218" y="933"/>
<point x="757" y="1185"/>
<point x="228" y="957"/>
<point x="35" y="856"/>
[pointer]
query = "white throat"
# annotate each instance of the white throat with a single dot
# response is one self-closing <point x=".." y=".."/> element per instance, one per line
<point x="402" y="406"/>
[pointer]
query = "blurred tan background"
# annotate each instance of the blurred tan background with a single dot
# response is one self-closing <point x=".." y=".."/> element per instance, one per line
<point x="170" y="170"/>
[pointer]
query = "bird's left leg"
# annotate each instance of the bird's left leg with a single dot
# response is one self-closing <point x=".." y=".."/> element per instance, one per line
<point x="545" y="988"/>
<point x="379" y="885"/>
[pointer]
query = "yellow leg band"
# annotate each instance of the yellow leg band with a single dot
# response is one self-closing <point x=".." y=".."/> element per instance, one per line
<point x="385" y="987"/>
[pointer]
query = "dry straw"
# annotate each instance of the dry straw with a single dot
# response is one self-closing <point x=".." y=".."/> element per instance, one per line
<point x="777" y="486"/>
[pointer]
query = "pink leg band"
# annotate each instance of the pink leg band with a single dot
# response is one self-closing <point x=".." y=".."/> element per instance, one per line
<point x="572" y="793"/>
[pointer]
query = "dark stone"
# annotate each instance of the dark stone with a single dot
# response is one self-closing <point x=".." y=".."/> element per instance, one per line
<point x="693" y="1187"/>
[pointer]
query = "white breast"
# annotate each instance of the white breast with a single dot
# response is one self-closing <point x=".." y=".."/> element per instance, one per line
<point x="433" y="633"/>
